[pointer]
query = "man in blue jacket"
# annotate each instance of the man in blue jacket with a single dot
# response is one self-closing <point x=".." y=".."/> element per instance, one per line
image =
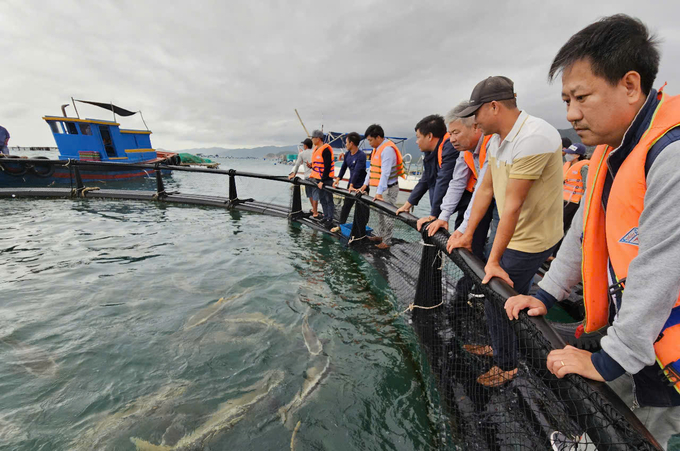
<point x="438" y="164"/>
<point x="4" y="139"/>
<point x="355" y="161"/>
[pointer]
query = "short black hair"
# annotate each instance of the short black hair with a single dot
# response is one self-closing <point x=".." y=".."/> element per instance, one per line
<point x="354" y="138"/>
<point x="614" y="46"/>
<point x="374" y="131"/>
<point x="308" y="143"/>
<point x="566" y="142"/>
<point x="510" y="104"/>
<point x="434" y="124"/>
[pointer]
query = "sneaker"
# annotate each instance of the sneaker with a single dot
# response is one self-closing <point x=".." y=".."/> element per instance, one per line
<point x="480" y="350"/>
<point x="562" y="442"/>
<point x="496" y="377"/>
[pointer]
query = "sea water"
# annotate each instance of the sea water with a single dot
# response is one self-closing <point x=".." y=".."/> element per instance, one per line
<point x="97" y="342"/>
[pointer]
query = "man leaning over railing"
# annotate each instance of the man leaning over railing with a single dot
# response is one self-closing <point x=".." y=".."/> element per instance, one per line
<point x="470" y="145"/>
<point x="525" y="176"/>
<point x="627" y="230"/>
<point x="438" y="165"/>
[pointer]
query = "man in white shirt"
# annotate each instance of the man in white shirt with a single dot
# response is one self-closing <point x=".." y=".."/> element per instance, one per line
<point x="305" y="158"/>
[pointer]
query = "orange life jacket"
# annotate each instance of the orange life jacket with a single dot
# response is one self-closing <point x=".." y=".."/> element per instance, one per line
<point x="565" y="168"/>
<point x="612" y="238"/>
<point x="317" y="162"/>
<point x="573" y="182"/>
<point x="376" y="163"/>
<point x="446" y="137"/>
<point x="470" y="161"/>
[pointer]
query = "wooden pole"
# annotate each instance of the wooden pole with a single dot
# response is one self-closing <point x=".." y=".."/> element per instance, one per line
<point x="302" y="123"/>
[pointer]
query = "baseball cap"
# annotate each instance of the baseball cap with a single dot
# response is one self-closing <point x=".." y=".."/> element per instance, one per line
<point x="308" y="142"/>
<point x="576" y="148"/>
<point x="488" y="90"/>
<point x="317" y="134"/>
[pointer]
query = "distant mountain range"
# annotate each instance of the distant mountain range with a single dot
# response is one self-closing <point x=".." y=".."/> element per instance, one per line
<point x="410" y="147"/>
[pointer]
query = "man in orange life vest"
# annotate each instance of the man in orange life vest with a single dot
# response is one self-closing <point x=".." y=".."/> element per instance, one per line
<point x="439" y="161"/>
<point x="323" y="171"/>
<point x="386" y="168"/>
<point x="470" y="145"/>
<point x="624" y="242"/>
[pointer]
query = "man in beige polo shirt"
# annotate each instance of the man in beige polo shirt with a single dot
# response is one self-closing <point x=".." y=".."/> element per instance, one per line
<point x="524" y="175"/>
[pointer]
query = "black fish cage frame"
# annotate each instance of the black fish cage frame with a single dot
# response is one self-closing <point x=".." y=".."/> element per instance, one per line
<point x="535" y="410"/>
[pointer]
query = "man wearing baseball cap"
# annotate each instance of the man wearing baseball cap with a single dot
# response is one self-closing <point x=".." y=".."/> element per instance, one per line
<point x="524" y="175"/>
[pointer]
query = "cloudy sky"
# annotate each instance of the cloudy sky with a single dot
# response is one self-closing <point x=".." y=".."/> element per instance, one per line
<point x="231" y="73"/>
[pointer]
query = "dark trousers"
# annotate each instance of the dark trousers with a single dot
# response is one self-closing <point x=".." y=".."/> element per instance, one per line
<point x="326" y="199"/>
<point x="569" y="211"/>
<point x="521" y="267"/>
<point x="481" y="233"/>
<point x="347" y="205"/>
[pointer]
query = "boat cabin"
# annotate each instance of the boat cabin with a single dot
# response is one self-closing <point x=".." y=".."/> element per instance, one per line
<point x="100" y="140"/>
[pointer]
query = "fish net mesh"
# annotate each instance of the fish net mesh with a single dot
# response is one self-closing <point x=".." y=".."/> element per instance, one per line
<point x="441" y="296"/>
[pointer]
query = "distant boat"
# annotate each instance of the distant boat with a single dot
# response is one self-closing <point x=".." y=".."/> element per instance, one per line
<point x="89" y="140"/>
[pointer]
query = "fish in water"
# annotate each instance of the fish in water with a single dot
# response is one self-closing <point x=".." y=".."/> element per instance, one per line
<point x="256" y="317"/>
<point x="205" y="314"/>
<point x="311" y="340"/>
<point x="229" y="414"/>
<point x="313" y="378"/>
<point x="30" y="358"/>
<point x="109" y="427"/>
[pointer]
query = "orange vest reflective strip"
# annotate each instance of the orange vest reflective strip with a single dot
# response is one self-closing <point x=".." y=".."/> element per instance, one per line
<point x="441" y="148"/>
<point x="376" y="163"/>
<point x="573" y="183"/>
<point x="317" y="162"/>
<point x="565" y="168"/>
<point x="612" y="238"/>
<point x="470" y="161"/>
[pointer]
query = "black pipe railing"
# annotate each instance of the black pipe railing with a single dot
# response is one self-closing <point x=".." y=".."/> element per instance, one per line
<point x="527" y="328"/>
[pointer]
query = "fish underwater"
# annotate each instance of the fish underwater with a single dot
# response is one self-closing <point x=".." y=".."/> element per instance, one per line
<point x="99" y="435"/>
<point x="208" y="312"/>
<point x="255" y="318"/>
<point x="312" y="342"/>
<point x="313" y="378"/>
<point x="228" y="414"/>
<point x="32" y="359"/>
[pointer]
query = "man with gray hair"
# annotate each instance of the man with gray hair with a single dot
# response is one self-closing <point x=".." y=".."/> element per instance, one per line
<point x="466" y="138"/>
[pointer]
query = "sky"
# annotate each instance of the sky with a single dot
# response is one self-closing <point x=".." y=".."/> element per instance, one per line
<point x="231" y="73"/>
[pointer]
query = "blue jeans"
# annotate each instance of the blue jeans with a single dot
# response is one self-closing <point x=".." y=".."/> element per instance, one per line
<point x="521" y="267"/>
<point x="326" y="199"/>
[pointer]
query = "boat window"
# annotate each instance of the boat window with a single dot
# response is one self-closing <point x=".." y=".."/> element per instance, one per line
<point x="71" y="128"/>
<point x="85" y="129"/>
<point x="55" y="128"/>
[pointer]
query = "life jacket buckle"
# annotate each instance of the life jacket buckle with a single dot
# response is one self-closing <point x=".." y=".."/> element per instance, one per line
<point x="617" y="288"/>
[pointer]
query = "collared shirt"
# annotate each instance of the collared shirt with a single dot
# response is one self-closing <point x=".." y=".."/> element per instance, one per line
<point x="458" y="184"/>
<point x="388" y="159"/>
<point x="303" y="158"/>
<point x="531" y="151"/>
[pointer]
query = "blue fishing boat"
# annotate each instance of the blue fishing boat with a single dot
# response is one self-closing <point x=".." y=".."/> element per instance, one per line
<point x="93" y="140"/>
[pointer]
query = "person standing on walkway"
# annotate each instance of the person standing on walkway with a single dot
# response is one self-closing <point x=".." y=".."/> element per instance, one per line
<point x="323" y="170"/>
<point x="305" y="159"/>
<point x="386" y="168"/>
<point x="438" y="164"/>
<point x="624" y="241"/>
<point x="355" y="161"/>
<point x="4" y="139"/>
<point x="471" y="146"/>
<point x="524" y="175"/>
